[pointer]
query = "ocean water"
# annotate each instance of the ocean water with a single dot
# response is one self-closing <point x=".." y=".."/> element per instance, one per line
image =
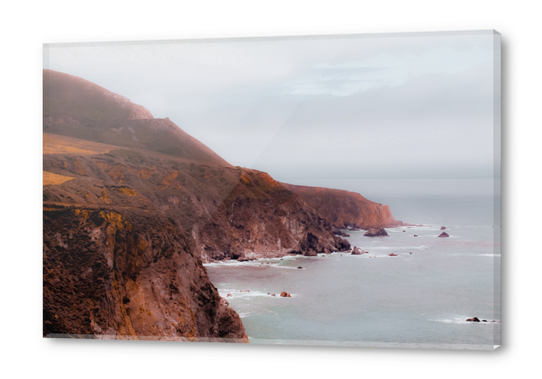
<point x="417" y="299"/>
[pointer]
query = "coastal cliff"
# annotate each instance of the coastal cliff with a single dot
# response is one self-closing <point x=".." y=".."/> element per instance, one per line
<point x="132" y="207"/>
<point x="262" y="218"/>
<point x="127" y="275"/>
<point x="115" y="265"/>
<point x="345" y="209"/>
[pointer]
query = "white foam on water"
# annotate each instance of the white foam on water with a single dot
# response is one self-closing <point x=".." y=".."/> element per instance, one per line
<point x="233" y="263"/>
<point x="463" y="321"/>
<point x="289" y="257"/>
<point x="268" y="262"/>
<point x="286" y="267"/>
<point x="240" y="294"/>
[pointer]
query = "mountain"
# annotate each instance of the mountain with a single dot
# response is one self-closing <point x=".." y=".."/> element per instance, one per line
<point x="133" y="206"/>
<point x="75" y="107"/>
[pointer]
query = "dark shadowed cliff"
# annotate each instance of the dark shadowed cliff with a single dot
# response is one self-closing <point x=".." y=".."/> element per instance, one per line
<point x="133" y="205"/>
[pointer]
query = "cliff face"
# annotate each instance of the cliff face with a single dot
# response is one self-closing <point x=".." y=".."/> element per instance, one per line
<point x="343" y="209"/>
<point x="115" y="265"/>
<point x="262" y="218"/>
<point x="127" y="275"/>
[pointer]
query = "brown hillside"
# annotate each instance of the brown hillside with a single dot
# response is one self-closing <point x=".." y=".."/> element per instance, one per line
<point x="228" y="211"/>
<point x="124" y="236"/>
<point x="75" y="107"/>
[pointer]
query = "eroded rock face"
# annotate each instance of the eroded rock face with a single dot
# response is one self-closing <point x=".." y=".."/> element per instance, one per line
<point x="346" y="210"/>
<point x="127" y="275"/>
<point x="261" y="218"/>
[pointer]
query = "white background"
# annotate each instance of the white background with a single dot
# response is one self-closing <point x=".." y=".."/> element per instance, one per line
<point x="25" y="26"/>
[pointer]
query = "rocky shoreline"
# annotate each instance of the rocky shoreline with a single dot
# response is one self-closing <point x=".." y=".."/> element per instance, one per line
<point x="133" y="206"/>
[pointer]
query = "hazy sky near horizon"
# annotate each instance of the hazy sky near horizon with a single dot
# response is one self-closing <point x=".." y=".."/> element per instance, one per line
<point x="365" y="106"/>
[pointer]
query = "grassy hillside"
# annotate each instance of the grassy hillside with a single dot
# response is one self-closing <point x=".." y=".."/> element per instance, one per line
<point x="75" y="107"/>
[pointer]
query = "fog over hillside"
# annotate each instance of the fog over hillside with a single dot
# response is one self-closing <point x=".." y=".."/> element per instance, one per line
<point x="397" y="105"/>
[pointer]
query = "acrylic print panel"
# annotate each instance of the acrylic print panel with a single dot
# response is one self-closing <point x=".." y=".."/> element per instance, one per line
<point x="330" y="190"/>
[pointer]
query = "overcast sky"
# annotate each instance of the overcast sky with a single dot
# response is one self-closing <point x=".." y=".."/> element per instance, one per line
<point x="400" y="105"/>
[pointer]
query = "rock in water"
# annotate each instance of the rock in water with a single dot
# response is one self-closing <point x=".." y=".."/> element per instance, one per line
<point x="474" y="319"/>
<point x="358" y="251"/>
<point x="444" y="234"/>
<point x="285" y="294"/>
<point x="374" y="232"/>
<point x="442" y="228"/>
<point x="244" y="258"/>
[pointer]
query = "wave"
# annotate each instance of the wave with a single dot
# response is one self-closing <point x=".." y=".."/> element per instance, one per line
<point x="286" y="267"/>
<point x="224" y="292"/>
<point x="233" y="263"/>
<point x="240" y="294"/>
<point x="262" y="261"/>
<point x="463" y="321"/>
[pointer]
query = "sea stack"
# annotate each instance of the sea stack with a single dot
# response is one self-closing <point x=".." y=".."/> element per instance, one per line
<point x="358" y="251"/>
<point x="374" y="232"/>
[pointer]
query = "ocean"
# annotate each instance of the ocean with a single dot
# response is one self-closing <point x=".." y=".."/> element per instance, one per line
<point x="420" y="298"/>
